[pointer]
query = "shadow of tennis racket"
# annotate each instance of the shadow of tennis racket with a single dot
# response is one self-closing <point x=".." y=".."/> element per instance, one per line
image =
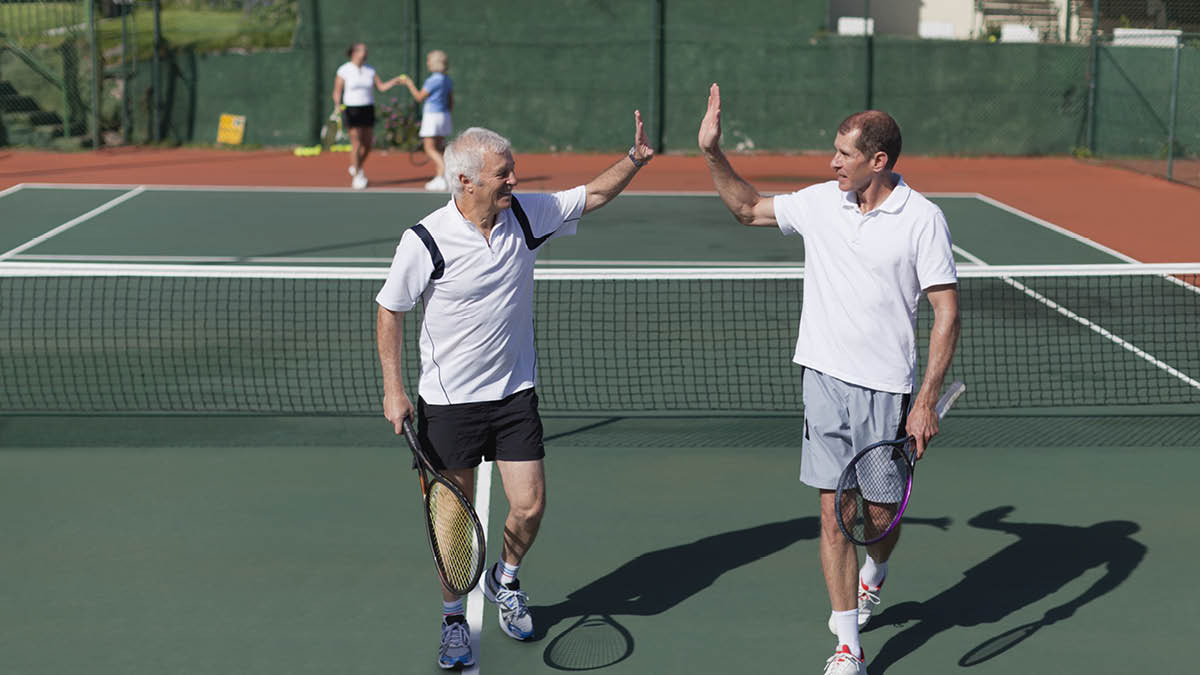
<point x="1001" y="643"/>
<point x="594" y="641"/>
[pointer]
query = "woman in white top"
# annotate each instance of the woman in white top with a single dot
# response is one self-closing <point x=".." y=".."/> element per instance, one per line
<point x="354" y="89"/>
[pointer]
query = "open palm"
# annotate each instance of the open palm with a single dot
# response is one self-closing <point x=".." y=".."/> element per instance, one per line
<point x="641" y="144"/>
<point x="710" y="126"/>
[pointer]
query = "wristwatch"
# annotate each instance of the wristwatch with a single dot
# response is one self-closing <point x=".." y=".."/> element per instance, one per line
<point x="633" y="157"/>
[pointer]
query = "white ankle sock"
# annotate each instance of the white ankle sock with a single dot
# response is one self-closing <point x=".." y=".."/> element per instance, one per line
<point x="847" y="629"/>
<point x="507" y="572"/>
<point x="452" y="608"/>
<point x="873" y="573"/>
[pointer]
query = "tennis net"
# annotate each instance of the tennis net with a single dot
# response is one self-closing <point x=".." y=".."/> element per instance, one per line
<point x="97" y="338"/>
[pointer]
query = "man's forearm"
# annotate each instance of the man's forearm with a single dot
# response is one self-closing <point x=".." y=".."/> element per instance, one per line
<point x="389" y="331"/>
<point x="943" y="339"/>
<point x="738" y="195"/>
<point x="605" y="187"/>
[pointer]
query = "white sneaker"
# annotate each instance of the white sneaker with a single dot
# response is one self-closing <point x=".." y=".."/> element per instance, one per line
<point x="359" y="182"/>
<point x="352" y="170"/>
<point x="455" y="651"/>
<point x="868" y="600"/>
<point x="437" y="184"/>
<point x="515" y="619"/>
<point x="844" y="663"/>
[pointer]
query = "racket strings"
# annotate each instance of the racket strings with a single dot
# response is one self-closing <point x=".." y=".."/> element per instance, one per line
<point x="455" y="539"/>
<point x="873" y="493"/>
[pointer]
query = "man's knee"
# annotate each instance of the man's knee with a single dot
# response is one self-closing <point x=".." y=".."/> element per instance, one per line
<point x="530" y="510"/>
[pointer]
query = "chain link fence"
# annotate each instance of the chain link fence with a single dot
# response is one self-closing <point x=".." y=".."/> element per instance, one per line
<point x="1145" y="111"/>
<point x="48" y="72"/>
<point x="1112" y="81"/>
<point x="82" y="73"/>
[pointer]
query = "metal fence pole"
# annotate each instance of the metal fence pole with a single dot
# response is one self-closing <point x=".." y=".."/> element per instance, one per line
<point x="657" y="114"/>
<point x="312" y="14"/>
<point x="418" y="54"/>
<point x="1091" y="102"/>
<point x="1174" y="109"/>
<point x="94" y="118"/>
<point x="1067" y="23"/>
<point x="126" y="109"/>
<point x="154" y="72"/>
<point x="870" y="45"/>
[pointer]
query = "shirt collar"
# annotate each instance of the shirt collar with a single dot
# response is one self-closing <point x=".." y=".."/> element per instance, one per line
<point x="893" y="204"/>
<point x="500" y="217"/>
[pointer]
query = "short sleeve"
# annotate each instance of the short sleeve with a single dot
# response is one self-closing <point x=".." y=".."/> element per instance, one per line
<point x="433" y="83"/>
<point x="791" y="211"/>
<point x="341" y="72"/>
<point x="935" y="253"/>
<point x="557" y="214"/>
<point x="409" y="275"/>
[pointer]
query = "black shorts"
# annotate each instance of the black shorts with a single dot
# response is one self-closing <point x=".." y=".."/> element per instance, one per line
<point x="460" y="435"/>
<point x="359" y="116"/>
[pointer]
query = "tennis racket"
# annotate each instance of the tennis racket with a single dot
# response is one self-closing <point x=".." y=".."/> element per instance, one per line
<point x="455" y="535"/>
<point x="333" y="131"/>
<point x="873" y="491"/>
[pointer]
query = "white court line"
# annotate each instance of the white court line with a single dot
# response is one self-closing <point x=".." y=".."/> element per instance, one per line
<point x="475" y="601"/>
<point x="1089" y="324"/>
<point x="72" y="223"/>
<point x="1055" y="228"/>
<point x="1077" y="237"/>
<point x="8" y="191"/>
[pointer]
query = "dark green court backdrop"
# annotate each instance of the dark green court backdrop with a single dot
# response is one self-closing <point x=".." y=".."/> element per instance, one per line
<point x="565" y="76"/>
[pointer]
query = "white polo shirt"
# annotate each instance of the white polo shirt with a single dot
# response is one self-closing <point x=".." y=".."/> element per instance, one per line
<point x="359" y="89"/>
<point x="863" y="278"/>
<point x="477" y="333"/>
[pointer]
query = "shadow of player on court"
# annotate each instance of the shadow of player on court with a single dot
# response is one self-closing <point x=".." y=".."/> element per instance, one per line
<point x="657" y="581"/>
<point x="1044" y="558"/>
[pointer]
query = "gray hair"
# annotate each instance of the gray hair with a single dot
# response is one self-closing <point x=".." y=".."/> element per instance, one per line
<point x="464" y="156"/>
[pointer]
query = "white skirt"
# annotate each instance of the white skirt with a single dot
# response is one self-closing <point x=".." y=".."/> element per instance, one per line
<point x="436" y="124"/>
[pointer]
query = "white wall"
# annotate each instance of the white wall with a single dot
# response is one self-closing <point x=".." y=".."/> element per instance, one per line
<point x="903" y="17"/>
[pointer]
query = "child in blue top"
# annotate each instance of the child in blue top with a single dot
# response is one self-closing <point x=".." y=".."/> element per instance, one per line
<point x="437" y="95"/>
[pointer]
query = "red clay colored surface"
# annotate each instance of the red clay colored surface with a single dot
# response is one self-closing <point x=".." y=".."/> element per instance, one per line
<point x="1145" y="217"/>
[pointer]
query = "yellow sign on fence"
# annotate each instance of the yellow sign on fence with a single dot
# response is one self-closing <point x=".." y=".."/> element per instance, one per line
<point x="231" y="129"/>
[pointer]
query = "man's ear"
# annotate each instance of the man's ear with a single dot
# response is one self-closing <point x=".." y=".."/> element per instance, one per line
<point x="879" y="161"/>
<point x="466" y="182"/>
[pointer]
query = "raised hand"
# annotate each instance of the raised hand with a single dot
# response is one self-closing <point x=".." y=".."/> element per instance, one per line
<point x="641" y="144"/>
<point x="710" y="126"/>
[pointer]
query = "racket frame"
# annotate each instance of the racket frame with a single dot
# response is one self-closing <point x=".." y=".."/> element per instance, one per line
<point x="427" y="474"/>
<point x="901" y="445"/>
<point x="334" y="125"/>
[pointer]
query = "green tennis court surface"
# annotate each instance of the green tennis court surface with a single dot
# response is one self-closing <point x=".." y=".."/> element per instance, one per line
<point x="673" y="542"/>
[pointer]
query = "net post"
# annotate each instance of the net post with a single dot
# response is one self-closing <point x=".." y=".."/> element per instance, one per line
<point x="1171" y="126"/>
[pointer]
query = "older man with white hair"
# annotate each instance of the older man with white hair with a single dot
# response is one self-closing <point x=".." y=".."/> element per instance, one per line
<point x="470" y="264"/>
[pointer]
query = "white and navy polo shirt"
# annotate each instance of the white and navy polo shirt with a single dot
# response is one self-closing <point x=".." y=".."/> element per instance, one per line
<point x="863" y="277"/>
<point x="477" y="333"/>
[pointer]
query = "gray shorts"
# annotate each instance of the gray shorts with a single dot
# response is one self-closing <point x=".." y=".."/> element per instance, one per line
<point x="839" y="420"/>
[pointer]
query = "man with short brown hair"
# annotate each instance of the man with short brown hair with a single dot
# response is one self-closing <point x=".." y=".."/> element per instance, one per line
<point x="872" y="247"/>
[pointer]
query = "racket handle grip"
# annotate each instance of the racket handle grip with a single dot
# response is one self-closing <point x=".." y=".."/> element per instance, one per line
<point x="410" y="434"/>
